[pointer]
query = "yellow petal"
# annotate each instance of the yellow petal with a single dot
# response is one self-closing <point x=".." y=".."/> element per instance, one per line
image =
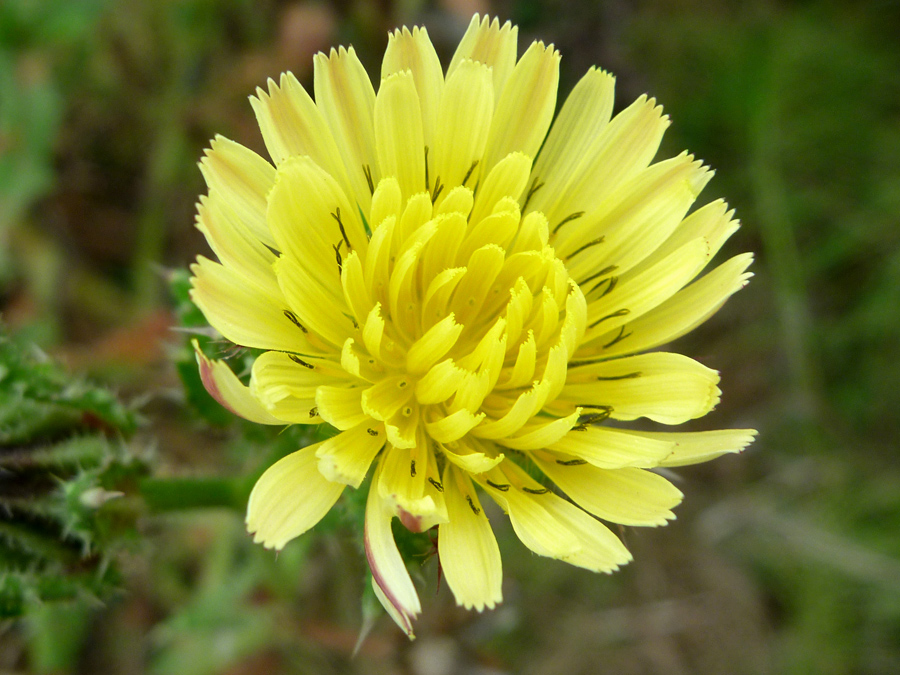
<point x="470" y="557"/>
<point x="356" y="293"/>
<point x="235" y="244"/>
<point x="713" y="222"/>
<point x="243" y="179"/>
<point x="440" y="290"/>
<point x="637" y="220"/>
<point x="534" y="79"/>
<point x="346" y="98"/>
<point x="458" y="200"/>
<point x="472" y="456"/>
<point x="507" y="178"/>
<point x="407" y="484"/>
<point x="624" y="148"/>
<point x="428" y="349"/>
<point x="313" y="221"/>
<point x="535" y="526"/>
<point x="634" y="296"/>
<point x="541" y="432"/>
<point x="465" y="119"/>
<point x="315" y="306"/>
<point x="523" y="409"/>
<point x="386" y="201"/>
<point x="575" y="131"/>
<point x="399" y="140"/>
<point x="522" y="372"/>
<point x="412" y="51"/>
<point x="242" y="312"/>
<point x="286" y="384"/>
<point x="489" y="43"/>
<point x="289" y="498"/>
<point x="386" y="397"/>
<point x="449" y="428"/>
<point x="403" y="428"/>
<point x="224" y="386"/>
<point x="439" y="383"/>
<point x="498" y="229"/>
<point x="292" y="125"/>
<point x="346" y="458"/>
<point x="601" y="550"/>
<point x="628" y="496"/>
<point x="700" y="446"/>
<point x="340" y="405"/>
<point x="609" y="448"/>
<point x="666" y="388"/>
<point x="683" y="312"/>
<point x="481" y="270"/>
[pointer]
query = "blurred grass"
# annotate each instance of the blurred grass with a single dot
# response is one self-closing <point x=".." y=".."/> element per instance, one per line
<point x="785" y="560"/>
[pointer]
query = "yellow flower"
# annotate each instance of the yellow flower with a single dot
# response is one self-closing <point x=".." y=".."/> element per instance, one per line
<point x="466" y="292"/>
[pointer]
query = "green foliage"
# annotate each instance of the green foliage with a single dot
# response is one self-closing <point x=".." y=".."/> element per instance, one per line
<point x="62" y="458"/>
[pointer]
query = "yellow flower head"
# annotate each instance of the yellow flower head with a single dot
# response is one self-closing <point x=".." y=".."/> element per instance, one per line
<point x="465" y="291"/>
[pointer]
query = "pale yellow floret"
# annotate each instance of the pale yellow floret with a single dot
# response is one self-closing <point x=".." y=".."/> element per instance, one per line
<point x="289" y="498"/>
<point x="404" y="485"/>
<point x="534" y="79"/>
<point x="399" y="140"/>
<point x="535" y="526"/>
<point x="340" y="406"/>
<point x="452" y="427"/>
<point x="572" y="138"/>
<point x="412" y="51"/>
<point x="683" y="312"/>
<point x="428" y="349"/>
<point x="288" y="389"/>
<point x="601" y="550"/>
<point x="609" y="448"/>
<point x="389" y="576"/>
<point x="648" y="210"/>
<point x="243" y="179"/>
<point x="313" y="302"/>
<point x="470" y="557"/>
<point x="714" y="222"/>
<point x="700" y="446"/>
<point x="472" y="457"/>
<point x="234" y="244"/>
<point x="292" y="125"/>
<point x="666" y="388"/>
<point x="507" y="178"/>
<point x="346" y="99"/>
<point x="542" y="432"/>
<point x="346" y="458"/>
<point x="465" y="116"/>
<point x="628" y="496"/>
<point x="488" y="42"/>
<point x="241" y="312"/>
<point x="635" y="295"/>
<point x="623" y="149"/>
<point x="439" y="383"/>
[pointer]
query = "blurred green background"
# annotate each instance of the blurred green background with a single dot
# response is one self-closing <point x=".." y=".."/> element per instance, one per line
<point x="785" y="559"/>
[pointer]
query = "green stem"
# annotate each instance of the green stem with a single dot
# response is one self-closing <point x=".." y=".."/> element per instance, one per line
<point x="176" y="494"/>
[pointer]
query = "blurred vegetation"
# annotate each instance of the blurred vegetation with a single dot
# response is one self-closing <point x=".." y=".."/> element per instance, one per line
<point x="784" y="560"/>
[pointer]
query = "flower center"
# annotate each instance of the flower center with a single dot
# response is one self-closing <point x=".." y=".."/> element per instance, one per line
<point x="465" y="318"/>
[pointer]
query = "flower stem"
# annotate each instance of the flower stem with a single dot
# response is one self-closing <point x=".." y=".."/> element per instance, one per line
<point x="176" y="494"/>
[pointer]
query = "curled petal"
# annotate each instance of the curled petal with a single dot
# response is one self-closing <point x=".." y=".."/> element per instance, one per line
<point x="390" y="579"/>
<point x="224" y="386"/>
